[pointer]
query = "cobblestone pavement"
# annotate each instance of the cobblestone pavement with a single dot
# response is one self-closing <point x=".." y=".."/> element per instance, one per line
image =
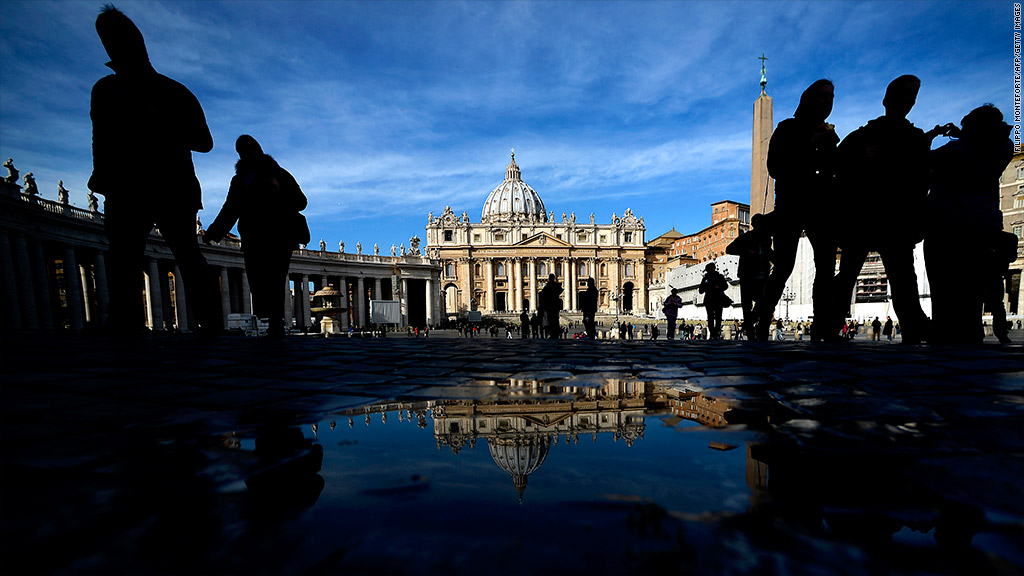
<point x="864" y="458"/>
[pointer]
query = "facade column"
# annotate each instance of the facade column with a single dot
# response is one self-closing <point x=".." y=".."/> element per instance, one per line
<point x="37" y="261"/>
<point x="430" y="301"/>
<point x="23" y="276"/>
<point x="571" y="298"/>
<point x="154" y="297"/>
<point x="361" y="304"/>
<point x="565" y="286"/>
<point x="641" y="299"/>
<point x="8" y="287"/>
<point x="489" y="283"/>
<point x="289" y="306"/>
<point x="533" y="283"/>
<point x="225" y="295"/>
<point x="376" y="289"/>
<point x="246" y="294"/>
<point x="180" y="306"/>
<point x="519" y="284"/>
<point x="465" y="284"/>
<point x="103" y="290"/>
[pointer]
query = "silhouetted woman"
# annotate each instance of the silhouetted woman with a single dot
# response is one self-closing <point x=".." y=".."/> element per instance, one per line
<point x="265" y="200"/>
<point x="961" y="247"/>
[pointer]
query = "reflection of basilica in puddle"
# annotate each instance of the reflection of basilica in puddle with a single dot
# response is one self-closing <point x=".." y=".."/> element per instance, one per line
<point x="525" y="418"/>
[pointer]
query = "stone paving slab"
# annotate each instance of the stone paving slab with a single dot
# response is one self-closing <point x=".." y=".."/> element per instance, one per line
<point x="97" y="435"/>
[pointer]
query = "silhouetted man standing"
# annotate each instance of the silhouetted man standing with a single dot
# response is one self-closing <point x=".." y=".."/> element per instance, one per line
<point x="671" y="310"/>
<point x="145" y="127"/>
<point x="588" y="305"/>
<point x="550" y="304"/>
<point x="801" y="158"/>
<point x="713" y="287"/>
<point x="755" y="251"/>
<point x="883" y="166"/>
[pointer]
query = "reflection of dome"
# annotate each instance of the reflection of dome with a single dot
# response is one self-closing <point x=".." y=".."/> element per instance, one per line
<point x="519" y="456"/>
<point x="513" y="198"/>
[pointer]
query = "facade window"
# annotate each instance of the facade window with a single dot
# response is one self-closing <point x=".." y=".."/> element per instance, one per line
<point x="604" y="270"/>
<point x="449" y="270"/>
<point x="476" y="269"/>
<point x="1020" y="173"/>
<point x="1019" y="231"/>
<point x="499" y="237"/>
<point x="628" y="236"/>
<point x="476" y="238"/>
<point x="499" y="269"/>
<point x="583" y="269"/>
<point x="604" y="239"/>
<point x="582" y="237"/>
<point x="629" y="270"/>
<point x="1018" y="202"/>
<point x="448" y="235"/>
<point x="542" y="269"/>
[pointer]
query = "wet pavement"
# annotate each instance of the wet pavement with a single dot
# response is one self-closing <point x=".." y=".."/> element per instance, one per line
<point x="170" y="455"/>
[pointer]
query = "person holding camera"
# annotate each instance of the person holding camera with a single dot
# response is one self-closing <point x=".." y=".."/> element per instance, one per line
<point x="964" y="202"/>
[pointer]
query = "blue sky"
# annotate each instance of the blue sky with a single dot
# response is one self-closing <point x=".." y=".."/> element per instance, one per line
<point x="385" y="111"/>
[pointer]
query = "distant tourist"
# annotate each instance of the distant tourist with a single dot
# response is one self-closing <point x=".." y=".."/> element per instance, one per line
<point x="713" y="287"/>
<point x="671" y="311"/>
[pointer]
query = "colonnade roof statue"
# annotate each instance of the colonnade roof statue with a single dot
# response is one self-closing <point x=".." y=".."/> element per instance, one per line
<point x="513" y="199"/>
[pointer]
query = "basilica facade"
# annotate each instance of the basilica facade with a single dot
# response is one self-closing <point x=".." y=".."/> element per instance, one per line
<point x="500" y="264"/>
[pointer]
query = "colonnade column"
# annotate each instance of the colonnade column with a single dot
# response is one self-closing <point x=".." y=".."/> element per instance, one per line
<point x="225" y="295"/>
<point x="405" y="302"/>
<point x="246" y="294"/>
<point x="8" y="286"/>
<point x="361" y="304"/>
<point x="376" y="289"/>
<point x="155" y="300"/>
<point x="565" y="279"/>
<point x="23" y="277"/>
<point x="180" y="308"/>
<point x="42" y="286"/>
<point x="489" y="283"/>
<point x="102" y="290"/>
<point x="533" y="283"/>
<point x="289" y="307"/>
<point x="307" y="313"/>
<point x="515" y="286"/>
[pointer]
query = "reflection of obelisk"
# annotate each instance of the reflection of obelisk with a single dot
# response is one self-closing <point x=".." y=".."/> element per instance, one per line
<point x="762" y="187"/>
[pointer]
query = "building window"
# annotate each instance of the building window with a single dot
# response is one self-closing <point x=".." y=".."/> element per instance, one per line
<point x="476" y="238"/>
<point x="1019" y="231"/>
<point x="499" y="237"/>
<point x="604" y="239"/>
<point x="582" y="237"/>
<point x="604" y="270"/>
<point x="542" y="269"/>
<point x="448" y="234"/>
<point x="449" y="270"/>
<point x="628" y="236"/>
<point x="499" y="269"/>
<point x="629" y="270"/>
<point x="583" y="269"/>
<point x="476" y="269"/>
<point x="1020" y="173"/>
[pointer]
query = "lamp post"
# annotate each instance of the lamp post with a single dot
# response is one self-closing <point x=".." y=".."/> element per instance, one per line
<point x="788" y="297"/>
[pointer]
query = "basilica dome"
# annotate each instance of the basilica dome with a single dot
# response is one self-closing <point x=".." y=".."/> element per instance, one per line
<point x="513" y="199"/>
<point x="519" y="456"/>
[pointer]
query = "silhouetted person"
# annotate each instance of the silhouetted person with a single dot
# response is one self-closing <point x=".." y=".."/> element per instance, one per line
<point x="671" y="310"/>
<point x="876" y="329"/>
<point x="713" y="287"/>
<point x="964" y="203"/>
<point x="264" y="199"/>
<point x="755" y="251"/>
<point x="524" y="321"/>
<point x="550" y="304"/>
<point x="884" y="166"/>
<point x="801" y="158"/>
<point x="144" y="129"/>
<point x="588" y="305"/>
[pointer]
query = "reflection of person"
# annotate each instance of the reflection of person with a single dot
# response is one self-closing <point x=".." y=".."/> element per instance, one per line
<point x="801" y="158"/>
<point x="588" y="305"/>
<point x="713" y="287"/>
<point x="261" y="199"/>
<point x="550" y="304"/>
<point x="885" y="164"/>
<point x="755" y="251"/>
<point x="145" y="127"/>
<point x="671" y="310"/>
<point x="964" y="203"/>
